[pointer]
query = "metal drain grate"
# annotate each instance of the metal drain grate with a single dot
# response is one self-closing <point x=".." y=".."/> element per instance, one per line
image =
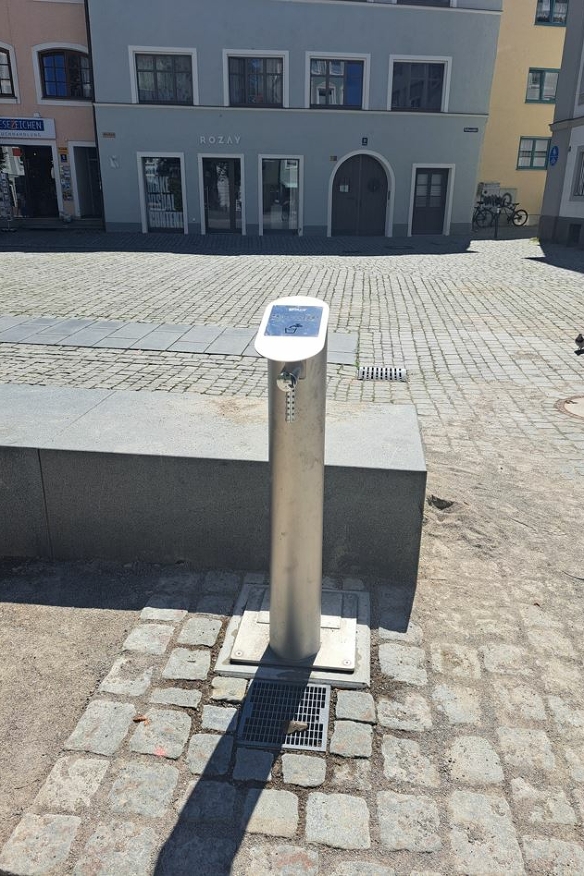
<point x="271" y="710"/>
<point x="381" y="372"/>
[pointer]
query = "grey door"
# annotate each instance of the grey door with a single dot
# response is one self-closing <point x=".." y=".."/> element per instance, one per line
<point x="429" y="200"/>
<point x="359" y="197"/>
<point x="88" y="181"/>
<point x="222" y="182"/>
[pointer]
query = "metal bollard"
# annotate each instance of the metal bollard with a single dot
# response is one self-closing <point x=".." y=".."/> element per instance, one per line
<point x="293" y="337"/>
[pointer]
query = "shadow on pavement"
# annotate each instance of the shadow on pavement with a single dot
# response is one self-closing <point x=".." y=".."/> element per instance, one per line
<point x="217" y="808"/>
<point x="558" y="256"/>
<point x="229" y="244"/>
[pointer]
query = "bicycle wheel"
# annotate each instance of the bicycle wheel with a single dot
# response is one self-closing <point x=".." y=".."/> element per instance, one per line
<point x="520" y="217"/>
<point x="483" y="218"/>
<point x="506" y="199"/>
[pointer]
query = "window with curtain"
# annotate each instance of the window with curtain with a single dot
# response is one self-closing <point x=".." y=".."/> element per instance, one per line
<point x="6" y="80"/>
<point x="164" y="78"/>
<point x="256" y="81"/>
<point x="551" y="12"/>
<point x="65" y="75"/>
<point x="541" y="86"/>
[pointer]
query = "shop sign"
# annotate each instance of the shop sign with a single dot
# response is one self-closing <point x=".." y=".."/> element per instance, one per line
<point x="219" y="139"/>
<point x="27" y="129"/>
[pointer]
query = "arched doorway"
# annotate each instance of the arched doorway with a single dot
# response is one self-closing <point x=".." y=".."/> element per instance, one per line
<point x="359" y="199"/>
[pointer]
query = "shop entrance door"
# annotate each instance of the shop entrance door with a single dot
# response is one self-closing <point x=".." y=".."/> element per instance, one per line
<point x="429" y="201"/>
<point x="88" y="182"/>
<point x="359" y="197"/>
<point x="222" y="188"/>
<point x="40" y="197"/>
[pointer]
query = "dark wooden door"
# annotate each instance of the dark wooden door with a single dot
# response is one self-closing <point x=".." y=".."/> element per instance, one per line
<point x="429" y="200"/>
<point x="41" y="196"/>
<point x="359" y="197"/>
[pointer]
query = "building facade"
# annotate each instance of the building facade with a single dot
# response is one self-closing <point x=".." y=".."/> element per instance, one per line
<point x="291" y="116"/>
<point x="562" y="218"/>
<point x="517" y="136"/>
<point x="48" y="157"/>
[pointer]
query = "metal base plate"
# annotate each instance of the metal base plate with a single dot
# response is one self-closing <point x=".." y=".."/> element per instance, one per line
<point x="344" y="656"/>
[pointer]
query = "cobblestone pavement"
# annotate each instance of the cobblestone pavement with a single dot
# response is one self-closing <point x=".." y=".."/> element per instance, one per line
<point x="466" y="756"/>
<point x="486" y="333"/>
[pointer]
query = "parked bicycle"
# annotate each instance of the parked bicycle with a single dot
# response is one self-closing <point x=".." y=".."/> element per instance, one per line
<point x="487" y="209"/>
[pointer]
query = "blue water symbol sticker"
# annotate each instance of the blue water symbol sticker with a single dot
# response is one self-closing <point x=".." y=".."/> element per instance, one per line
<point x="290" y="320"/>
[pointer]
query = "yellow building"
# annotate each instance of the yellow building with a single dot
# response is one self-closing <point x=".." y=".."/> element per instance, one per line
<point x="517" y="137"/>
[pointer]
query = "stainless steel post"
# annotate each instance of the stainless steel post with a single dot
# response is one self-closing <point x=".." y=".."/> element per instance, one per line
<point x="297" y="399"/>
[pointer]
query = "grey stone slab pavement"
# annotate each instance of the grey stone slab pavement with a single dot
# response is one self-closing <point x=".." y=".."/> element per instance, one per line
<point x="253" y="765"/>
<point x="207" y="801"/>
<point x="403" y="663"/>
<point x="200" y="631"/>
<point x="223" y="719"/>
<point x="129" y="676"/>
<point x="186" y="664"/>
<point x="351" y="739"/>
<point x="121" y="847"/>
<point x="229" y="690"/>
<point x="355" y="706"/>
<point x="164" y="732"/>
<point x="149" y="639"/>
<point x="176" y="696"/>
<point x="303" y="770"/>
<point x="102" y="727"/>
<point x="337" y="820"/>
<point x="273" y="813"/>
<point x="482" y="835"/>
<point x="40" y="844"/>
<point x="143" y="789"/>
<point x="408" y="822"/>
<point x="209" y="753"/>
<point x="71" y="784"/>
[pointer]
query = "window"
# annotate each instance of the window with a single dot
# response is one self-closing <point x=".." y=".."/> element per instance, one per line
<point x="256" y="81"/>
<point x="65" y="74"/>
<point x="541" y="86"/>
<point x="533" y="153"/>
<point x="551" y="12"/>
<point x="424" y="2"/>
<point x="579" y="177"/>
<point x="417" y="87"/>
<point x="6" y="80"/>
<point x="164" y="78"/>
<point x="336" y="83"/>
<point x="280" y="194"/>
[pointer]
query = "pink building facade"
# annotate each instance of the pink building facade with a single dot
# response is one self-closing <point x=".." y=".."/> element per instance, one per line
<point x="48" y="159"/>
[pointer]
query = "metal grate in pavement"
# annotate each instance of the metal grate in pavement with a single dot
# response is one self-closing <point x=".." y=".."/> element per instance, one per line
<point x="382" y="372"/>
<point x="277" y="715"/>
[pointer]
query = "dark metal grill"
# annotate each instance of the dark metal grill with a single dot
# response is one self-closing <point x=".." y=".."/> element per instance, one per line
<point x="271" y="709"/>
<point x="381" y="372"/>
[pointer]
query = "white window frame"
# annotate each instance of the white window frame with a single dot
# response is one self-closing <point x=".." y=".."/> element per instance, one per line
<point x="422" y="59"/>
<point x="258" y="53"/>
<point x="6" y="47"/>
<point x="431" y="165"/>
<point x="71" y="155"/>
<point x="154" y="153"/>
<point x="241" y="157"/>
<point x="162" y="50"/>
<point x="389" y="208"/>
<point x="339" y="56"/>
<point x="300" y="159"/>
<point x="38" y="82"/>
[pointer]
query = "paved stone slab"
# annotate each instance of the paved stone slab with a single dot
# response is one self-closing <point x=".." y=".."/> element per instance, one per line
<point x="219" y="718"/>
<point x="131" y="676"/>
<point x="176" y="696"/>
<point x="559" y="676"/>
<point x="164" y="733"/>
<point x="460" y="705"/>
<point x="361" y="868"/>
<point x="551" y="642"/>
<point x="403" y="761"/>
<point x="575" y="758"/>
<point x="215" y="604"/>
<point x="474" y="761"/>
<point x="553" y="856"/>
<point x="39" y="844"/>
<point x="143" y="789"/>
<point x="408" y="822"/>
<point x="337" y="820"/>
<point x="274" y="813"/>
<point x="570" y="720"/>
<point x="207" y="801"/>
<point x="229" y="690"/>
<point x="387" y="623"/>
<point x="209" y="754"/>
<point x="186" y="853"/>
<point x="548" y="806"/>
<point x="401" y="663"/>
<point x="149" y="639"/>
<point x="121" y="848"/>
<point x="253" y="765"/>
<point x="102" y="727"/>
<point x="517" y="703"/>
<point x="200" y="631"/>
<point x="224" y="583"/>
<point x="505" y="659"/>
<point x="408" y="711"/>
<point x="526" y="748"/>
<point x="457" y="660"/>
<point x="354" y="775"/>
<point x="71" y="784"/>
<point x="303" y="770"/>
<point x="482" y="836"/>
<point x="172" y="615"/>
<point x="187" y="665"/>
<point x="355" y="706"/>
<point x="351" y="739"/>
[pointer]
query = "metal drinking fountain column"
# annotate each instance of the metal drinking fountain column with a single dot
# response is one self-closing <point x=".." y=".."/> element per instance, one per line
<point x="293" y="337"/>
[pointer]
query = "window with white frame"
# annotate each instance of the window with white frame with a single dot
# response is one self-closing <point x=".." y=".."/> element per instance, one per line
<point x="551" y="12"/>
<point x="336" y="83"/>
<point x="578" y="188"/>
<point x="256" y="81"/>
<point x="418" y="86"/>
<point x="6" y="75"/>
<point x="164" y="78"/>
